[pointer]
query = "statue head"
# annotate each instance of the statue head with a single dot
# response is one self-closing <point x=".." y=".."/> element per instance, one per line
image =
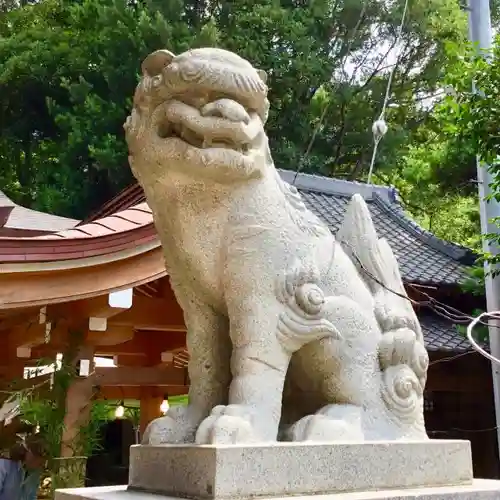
<point x="205" y="109"/>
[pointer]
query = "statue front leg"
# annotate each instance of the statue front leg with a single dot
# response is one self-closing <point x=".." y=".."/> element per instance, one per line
<point x="209" y="351"/>
<point x="258" y="364"/>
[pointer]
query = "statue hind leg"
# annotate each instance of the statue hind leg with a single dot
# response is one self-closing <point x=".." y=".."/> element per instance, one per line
<point x="343" y="373"/>
<point x="361" y="401"/>
<point x="380" y="365"/>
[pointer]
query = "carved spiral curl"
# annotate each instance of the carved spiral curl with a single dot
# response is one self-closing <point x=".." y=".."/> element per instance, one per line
<point x="402" y="392"/>
<point x="420" y="360"/>
<point x="396" y="347"/>
<point x="310" y="298"/>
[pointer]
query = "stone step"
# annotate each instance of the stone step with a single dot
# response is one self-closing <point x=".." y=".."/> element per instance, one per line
<point x="480" y="489"/>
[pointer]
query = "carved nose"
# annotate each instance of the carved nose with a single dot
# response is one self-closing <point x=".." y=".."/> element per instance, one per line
<point x="226" y="108"/>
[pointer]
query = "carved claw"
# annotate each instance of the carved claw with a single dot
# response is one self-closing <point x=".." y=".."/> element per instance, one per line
<point x="332" y="423"/>
<point x="227" y="425"/>
<point x="176" y="427"/>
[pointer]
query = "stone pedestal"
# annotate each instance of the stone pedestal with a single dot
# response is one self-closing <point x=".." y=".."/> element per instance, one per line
<point x="343" y="471"/>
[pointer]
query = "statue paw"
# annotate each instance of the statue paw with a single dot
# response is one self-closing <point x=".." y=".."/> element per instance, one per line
<point x="176" y="427"/>
<point x="332" y="423"/>
<point x="227" y="425"/>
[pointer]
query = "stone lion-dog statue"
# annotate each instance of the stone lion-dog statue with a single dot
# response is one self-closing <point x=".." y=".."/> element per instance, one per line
<point x="293" y="334"/>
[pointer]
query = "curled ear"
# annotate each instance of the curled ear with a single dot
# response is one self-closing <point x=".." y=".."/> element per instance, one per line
<point x="155" y="62"/>
<point x="262" y="74"/>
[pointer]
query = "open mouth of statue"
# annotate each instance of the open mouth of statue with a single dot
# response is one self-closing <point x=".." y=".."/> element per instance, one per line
<point x="222" y="124"/>
<point x="180" y="131"/>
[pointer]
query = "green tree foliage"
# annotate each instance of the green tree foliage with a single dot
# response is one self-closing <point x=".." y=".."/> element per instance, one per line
<point x="462" y="124"/>
<point x="436" y="182"/>
<point x="67" y="74"/>
<point x="68" y="70"/>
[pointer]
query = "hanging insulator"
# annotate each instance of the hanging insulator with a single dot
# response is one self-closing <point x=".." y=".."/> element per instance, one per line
<point x="379" y="129"/>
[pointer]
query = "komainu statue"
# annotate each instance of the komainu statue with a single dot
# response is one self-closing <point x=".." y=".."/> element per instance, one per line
<point x="293" y="334"/>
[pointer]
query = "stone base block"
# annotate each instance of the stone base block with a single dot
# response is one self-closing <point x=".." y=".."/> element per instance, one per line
<point x="478" y="490"/>
<point x="285" y="469"/>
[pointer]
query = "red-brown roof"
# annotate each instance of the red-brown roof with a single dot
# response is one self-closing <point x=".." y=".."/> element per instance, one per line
<point x="16" y="220"/>
<point x="126" y="229"/>
<point x="129" y="197"/>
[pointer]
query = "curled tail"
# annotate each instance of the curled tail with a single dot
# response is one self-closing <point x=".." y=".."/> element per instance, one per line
<point x="402" y="354"/>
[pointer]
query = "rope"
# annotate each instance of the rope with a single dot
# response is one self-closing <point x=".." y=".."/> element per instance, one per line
<point x="379" y="128"/>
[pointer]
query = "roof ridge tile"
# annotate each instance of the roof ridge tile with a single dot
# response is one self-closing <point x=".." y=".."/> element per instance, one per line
<point x="454" y="250"/>
<point x="340" y="187"/>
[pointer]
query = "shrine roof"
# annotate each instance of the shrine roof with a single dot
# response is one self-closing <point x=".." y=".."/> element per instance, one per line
<point x="423" y="257"/>
<point x="123" y="230"/>
<point x="126" y="222"/>
<point x="124" y="233"/>
<point x="16" y="220"/>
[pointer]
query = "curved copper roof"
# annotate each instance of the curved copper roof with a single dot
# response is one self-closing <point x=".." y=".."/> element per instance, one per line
<point x="20" y="221"/>
<point x="115" y="252"/>
<point x="132" y="227"/>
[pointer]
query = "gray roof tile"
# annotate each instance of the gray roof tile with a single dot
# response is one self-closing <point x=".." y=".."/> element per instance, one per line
<point x="423" y="258"/>
<point x="441" y="334"/>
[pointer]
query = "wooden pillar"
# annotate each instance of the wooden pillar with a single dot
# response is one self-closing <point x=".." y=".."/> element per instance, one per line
<point x="151" y="399"/>
<point x="78" y="405"/>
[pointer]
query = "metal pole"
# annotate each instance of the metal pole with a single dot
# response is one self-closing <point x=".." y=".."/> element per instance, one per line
<point x="481" y="34"/>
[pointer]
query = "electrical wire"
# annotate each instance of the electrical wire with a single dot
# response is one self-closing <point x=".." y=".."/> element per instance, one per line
<point x="452" y="358"/>
<point x="457" y="429"/>
<point x="379" y="128"/>
<point x="443" y="310"/>
<point x="439" y="308"/>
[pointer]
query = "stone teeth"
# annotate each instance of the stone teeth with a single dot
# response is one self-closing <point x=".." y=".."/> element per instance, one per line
<point x="190" y="137"/>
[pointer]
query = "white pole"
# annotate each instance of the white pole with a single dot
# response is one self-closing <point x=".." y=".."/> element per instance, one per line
<point x="480" y="32"/>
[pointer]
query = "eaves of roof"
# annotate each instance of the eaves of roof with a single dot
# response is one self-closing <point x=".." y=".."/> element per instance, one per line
<point x="128" y="229"/>
<point x="16" y="218"/>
